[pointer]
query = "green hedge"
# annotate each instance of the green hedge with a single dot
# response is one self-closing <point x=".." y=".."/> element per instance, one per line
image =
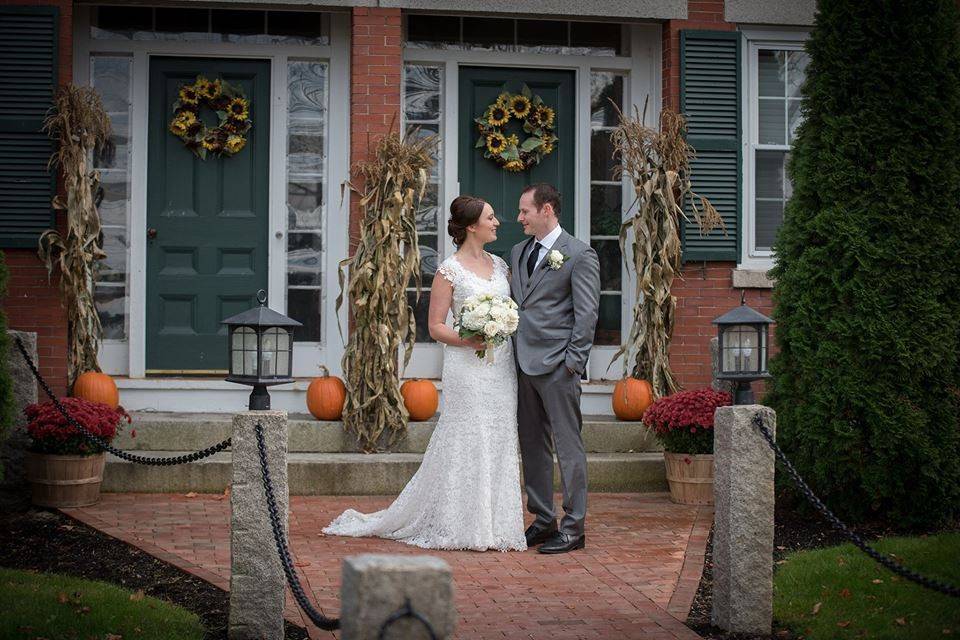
<point x="867" y="301"/>
<point x="6" y="385"/>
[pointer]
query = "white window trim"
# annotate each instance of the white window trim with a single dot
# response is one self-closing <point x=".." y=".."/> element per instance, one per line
<point x="753" y="40"/>
<point x="128" y="357"/>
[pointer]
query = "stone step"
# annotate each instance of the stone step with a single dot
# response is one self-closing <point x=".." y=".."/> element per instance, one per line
<point x="193" y="431"/>
<point x="358" y="474"/>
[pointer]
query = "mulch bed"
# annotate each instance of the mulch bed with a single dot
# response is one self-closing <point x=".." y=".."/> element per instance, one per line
<point x="47" y="540"/>
<point x="793" y="531"/>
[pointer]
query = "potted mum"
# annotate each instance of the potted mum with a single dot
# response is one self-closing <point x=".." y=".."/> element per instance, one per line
<point x="63" y="467"/>
<point x="683" y="423"/>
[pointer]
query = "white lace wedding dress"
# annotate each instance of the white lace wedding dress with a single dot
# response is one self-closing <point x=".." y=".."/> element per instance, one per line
<point x="466" y="494"/>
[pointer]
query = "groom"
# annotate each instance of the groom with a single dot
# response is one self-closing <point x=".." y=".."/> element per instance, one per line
<point x="556" y="283"/>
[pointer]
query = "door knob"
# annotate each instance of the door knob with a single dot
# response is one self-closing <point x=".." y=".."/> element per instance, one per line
<point x="151" y="233"/>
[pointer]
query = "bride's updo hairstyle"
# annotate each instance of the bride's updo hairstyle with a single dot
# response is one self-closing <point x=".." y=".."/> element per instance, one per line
<point x="464" y="211"/>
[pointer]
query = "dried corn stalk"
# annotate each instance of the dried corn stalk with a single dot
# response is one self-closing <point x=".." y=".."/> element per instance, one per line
<point x="80" y="125"/>
<point x="386" y="261"/>
<point x="657" y="163"/>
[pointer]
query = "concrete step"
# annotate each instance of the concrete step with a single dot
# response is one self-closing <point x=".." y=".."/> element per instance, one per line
<point x="193" y="431"/>
<point x="359" y="474"/>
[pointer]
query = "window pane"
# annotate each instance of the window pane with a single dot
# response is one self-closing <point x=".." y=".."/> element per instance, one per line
<point x="433" y="29"/>
<point x="602" y="162"/>
<point x="795" y="115"/>
<point x="111" y="307"/>
<point x="429" y="258"/>
<point x="597" y="38"/>
<point x="770" y="174"/>
<point x="605" y="87"/>
<point x="304" y="259"/>
<point x="605" y="208"/>
<point x="303" y="305"/>
<point x="120" y="22"/>
<point x="533" y="35"/>
<point x="422" y="92"/>
<point x="771" y="71"/>
<point x="185" y="24"/>
<point x="113" y="268"/>
<point x="236" y="24"/>
<point x="305" y="205"/>
<point x="297" y="27"/>
<point x="610" y="264"/>
<point x="797" y="62"/>
<point x="772" y="128"/>
<point x="489" y="33"/>
<point x="608" y="322"/>
<point x="421" y="309"/>
<point x="769" y="218"/>
<point x="427" y="213"/>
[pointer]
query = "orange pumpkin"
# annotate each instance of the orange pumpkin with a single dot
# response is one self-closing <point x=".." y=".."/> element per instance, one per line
<point x="631" y="397"/>
<point x="420" y="398"/>
<point x="97" y="387"/>
<point x="325" y="396"/>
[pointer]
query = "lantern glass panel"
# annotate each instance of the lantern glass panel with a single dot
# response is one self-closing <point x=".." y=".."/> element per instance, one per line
<point x="268" y="353"/>
<point x="742" y="347"/>
<point x="243" y="361"/>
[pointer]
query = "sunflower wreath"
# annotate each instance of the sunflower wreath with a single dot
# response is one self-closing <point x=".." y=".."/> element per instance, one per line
<point x="232" y="108"/>
<point x="506" y="149"/>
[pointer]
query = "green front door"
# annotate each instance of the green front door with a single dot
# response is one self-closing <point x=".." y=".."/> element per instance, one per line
<point x="206" y="221"/>
<point x="482" y="177"/>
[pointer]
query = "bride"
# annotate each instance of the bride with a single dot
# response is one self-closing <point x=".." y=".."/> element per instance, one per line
<point x="466" y="494"/>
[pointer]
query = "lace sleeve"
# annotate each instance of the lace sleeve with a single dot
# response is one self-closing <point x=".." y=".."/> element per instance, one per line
<point x="448" y="269"/>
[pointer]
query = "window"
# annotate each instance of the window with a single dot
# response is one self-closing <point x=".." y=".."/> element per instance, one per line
<point x="777" y="72"/>
<point x="422" y="114"/>
<point x="606" y="202"/>
<point x="506" y="34"/>
<point x="210" y="25"/>
<point x="306" y="170"/>
<point x="110" y="76"/>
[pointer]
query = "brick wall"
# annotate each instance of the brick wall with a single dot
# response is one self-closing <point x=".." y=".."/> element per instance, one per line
<point x="33" y="303"/>
<point x="376" y="68"/>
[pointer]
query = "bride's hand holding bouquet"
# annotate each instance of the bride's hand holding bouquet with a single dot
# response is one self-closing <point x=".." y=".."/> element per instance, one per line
<point x="489" y="318"/>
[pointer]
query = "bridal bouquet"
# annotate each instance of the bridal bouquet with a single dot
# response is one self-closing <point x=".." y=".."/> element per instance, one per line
<point x="492" y="317"/>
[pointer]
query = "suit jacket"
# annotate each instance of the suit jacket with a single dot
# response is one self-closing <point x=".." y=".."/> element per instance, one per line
<point x="558" y="308"/>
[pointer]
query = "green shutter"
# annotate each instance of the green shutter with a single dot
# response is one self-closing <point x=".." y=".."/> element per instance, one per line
<point x="710" y="98"/>
<point x="28" y="79"/>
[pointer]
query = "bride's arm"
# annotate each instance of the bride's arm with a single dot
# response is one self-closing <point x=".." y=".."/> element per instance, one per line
<point x="441" y="298"/>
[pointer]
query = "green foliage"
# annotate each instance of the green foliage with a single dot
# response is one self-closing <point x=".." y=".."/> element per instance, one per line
<point x="6" y="352"/>
<point x="867" y="300"/>
<point x="43" y="605"/>
<point x="839" y="592"/>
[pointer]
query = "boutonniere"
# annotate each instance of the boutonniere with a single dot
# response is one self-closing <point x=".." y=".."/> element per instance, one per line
<point x="555" y="259"/>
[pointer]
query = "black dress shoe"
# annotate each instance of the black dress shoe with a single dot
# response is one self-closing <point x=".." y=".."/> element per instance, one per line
<point x="536" y="534"/>
<point x="563" y="543"/>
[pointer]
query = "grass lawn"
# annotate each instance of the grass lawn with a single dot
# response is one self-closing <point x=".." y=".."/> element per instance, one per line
<point x="44" y="605"/>
<point x="840" y="592"/>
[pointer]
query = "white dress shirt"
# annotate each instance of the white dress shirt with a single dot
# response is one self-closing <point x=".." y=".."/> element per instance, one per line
<point x="547" y="243"/>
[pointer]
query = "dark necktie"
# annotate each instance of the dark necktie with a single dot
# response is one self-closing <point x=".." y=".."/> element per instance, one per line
<point x="532" y="258"/>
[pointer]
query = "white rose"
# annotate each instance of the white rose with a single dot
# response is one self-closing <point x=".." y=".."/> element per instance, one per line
<point x="491" y="329"/>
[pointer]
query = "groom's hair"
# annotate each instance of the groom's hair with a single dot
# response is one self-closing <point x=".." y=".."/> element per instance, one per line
<point x="544" y="193"/>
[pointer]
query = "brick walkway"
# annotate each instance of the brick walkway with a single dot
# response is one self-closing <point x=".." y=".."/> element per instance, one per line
<point x="636" y="578"/>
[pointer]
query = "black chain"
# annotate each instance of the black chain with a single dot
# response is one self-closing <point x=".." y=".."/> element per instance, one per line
<point x="320" y="620"/>
<point x="885" y="560"/>
<point x="103" y="444"/>
<point x="406" y="611"/>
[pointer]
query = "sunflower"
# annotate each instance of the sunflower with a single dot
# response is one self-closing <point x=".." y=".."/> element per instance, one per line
<point x="239" y="109"/>
<point x="520" y="106"/>
<point x="503" y="99"/>
<point x="235" y="143"/>
<point x="200" y="85"/>
<point x="188" y="95"/>
<point x="545" y="115"/>
<point x="498" y="115"/>
<point x="496" y="143"/>
<point x="183" y="122"/>
<point x="546" y="146"/>
<point x="211" y="142"/>
<point x="211" y="91"/>
<point x="513" y="139"/>
<point x="514" y="165"/>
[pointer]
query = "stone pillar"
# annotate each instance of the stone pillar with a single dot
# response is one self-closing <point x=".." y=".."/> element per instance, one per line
<point x="257" y="582"/>
<point x="743" y="521"/>
<point x="24" y="387"/>
<point x="376" y="586"/>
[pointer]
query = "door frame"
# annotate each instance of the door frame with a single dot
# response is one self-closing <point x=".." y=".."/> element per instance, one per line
<point x="642" y="71"/>
<point x="128" y="356"/>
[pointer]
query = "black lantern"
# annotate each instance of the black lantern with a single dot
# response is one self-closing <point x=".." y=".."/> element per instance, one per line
<point x="260" y="350"/>
<point x="743" y="334"/>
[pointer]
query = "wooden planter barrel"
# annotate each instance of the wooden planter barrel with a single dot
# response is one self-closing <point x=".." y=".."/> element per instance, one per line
<point x="690" y="477"/>
<point x="65" y="481"/>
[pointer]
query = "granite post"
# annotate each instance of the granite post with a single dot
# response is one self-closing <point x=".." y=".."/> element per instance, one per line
<point x="13" y="446"/>
<point x="375" y="586"/>
<point x="257" y="583"/>
<point x="743" y="521"/>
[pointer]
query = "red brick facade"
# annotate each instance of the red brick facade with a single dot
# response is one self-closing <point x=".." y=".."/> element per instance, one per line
<point x="33" y="302"/>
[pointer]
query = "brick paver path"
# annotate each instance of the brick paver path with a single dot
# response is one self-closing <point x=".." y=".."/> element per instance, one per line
<point x="636" y="578"/>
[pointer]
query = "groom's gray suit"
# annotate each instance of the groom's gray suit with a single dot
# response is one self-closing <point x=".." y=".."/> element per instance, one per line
<point x="558" y="317"/>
